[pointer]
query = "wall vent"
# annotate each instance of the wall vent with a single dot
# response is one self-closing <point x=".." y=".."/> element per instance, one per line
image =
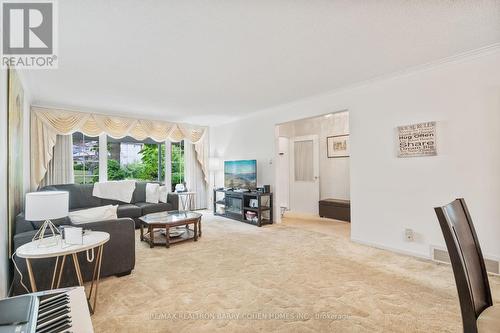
<point x="441" y="255"/>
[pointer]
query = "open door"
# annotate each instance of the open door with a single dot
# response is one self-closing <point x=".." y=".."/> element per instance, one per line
<point x="304" y="174"/>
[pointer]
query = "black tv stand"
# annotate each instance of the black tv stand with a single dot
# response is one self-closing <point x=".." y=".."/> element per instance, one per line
<point x="235" y="205"/>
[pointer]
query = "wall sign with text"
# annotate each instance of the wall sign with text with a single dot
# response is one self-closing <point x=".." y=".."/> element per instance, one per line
<point x="417" y="140"/>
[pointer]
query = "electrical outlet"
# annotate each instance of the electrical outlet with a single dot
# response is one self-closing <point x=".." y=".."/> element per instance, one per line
<point x="409" y="235"/>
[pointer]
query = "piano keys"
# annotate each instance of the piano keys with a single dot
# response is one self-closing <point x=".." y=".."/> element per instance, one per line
<point x="54" y="311"/>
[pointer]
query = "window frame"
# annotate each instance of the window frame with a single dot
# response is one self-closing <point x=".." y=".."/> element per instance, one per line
<point x="181" y="164"/>
<point x="160" y="155"/>
<point x="94" y="177"/>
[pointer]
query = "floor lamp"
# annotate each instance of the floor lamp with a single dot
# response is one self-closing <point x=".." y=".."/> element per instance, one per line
<point x="214" y="166"/>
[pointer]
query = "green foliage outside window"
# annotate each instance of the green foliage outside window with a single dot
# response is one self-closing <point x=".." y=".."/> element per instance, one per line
<point x="115" y="171"/>
<point x="149" y="159"/>
<point x="177" y="163"/>
<point x="147" y="169"/>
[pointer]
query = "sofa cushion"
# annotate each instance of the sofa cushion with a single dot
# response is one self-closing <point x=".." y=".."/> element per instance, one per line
<point x="93" y="214"/>
<point x="80" y="195"/>
<point x="148" y="208"/>
<point x="23" y="225"/>
<point x="106" y="202"/>
<point x="140" y="191"/>
<point x="57" y="222"/>
<point x="129" y="210"/>
<point x="23" y="238"/>
<point x="173" y="199"/>
<point x="163" y="194"/>
<point x="152" y="192"/>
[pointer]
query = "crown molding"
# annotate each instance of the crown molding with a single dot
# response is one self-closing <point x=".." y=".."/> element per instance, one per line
<point x="457" y="58"/>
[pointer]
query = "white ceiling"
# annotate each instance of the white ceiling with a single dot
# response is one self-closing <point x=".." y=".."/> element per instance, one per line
<point x="209" y="61"/>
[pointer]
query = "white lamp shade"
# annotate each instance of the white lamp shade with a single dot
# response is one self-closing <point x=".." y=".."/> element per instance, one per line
<point x="46" y="205"/>
<point x="214" y="164"/>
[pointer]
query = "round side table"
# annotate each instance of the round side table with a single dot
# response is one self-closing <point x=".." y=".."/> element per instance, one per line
<point x="187" y="200"/>
<point x="91" y="240"/>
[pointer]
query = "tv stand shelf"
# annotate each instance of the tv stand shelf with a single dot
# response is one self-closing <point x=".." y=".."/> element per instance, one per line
<point x="235" y="205"/>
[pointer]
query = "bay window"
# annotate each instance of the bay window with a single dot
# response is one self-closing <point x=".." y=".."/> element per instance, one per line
<point x="126" y="158"/>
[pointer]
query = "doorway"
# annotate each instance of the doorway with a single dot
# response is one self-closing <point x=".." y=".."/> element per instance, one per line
<point x="312" y="162"/>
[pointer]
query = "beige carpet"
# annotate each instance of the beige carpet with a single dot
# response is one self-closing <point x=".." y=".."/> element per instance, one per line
<point x="300" y="276"/>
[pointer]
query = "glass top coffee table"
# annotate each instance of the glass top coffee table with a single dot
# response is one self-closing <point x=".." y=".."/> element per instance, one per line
<point x="165" y="228"/>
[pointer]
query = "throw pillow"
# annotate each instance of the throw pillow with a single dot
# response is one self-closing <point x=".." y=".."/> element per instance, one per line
<point x="95" y="214"/>
<point x="152" y="192"/>
<point x="163" y="194"/>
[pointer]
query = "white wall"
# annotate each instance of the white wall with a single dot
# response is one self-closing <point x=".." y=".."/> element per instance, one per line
<point x="334" y="173"/>
<point x="238" y="142"/>
<point x="4" y="269"/>
<point x="389" y="194"/>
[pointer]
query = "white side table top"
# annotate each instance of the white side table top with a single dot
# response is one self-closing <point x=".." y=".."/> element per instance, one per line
<point x="91" y="240"/>
<point x="185" y="193"/>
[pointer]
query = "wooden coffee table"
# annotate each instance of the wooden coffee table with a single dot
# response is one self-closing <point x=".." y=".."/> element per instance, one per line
<point x="159" y="227"/>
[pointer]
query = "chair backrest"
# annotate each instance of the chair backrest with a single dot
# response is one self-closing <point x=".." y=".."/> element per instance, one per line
<point x="467" y="261"/>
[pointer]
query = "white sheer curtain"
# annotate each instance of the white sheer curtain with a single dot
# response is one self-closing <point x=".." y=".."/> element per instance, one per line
<point x="60" y="169"/>
<point x="194" y="176"/>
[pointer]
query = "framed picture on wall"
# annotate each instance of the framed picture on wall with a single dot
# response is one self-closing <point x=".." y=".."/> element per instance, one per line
<point x="337" y="146"/>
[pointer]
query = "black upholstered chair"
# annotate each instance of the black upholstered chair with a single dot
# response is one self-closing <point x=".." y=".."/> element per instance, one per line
<point x="478" y="312"/>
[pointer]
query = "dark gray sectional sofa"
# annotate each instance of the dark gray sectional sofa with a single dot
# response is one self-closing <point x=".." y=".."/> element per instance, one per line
<point x="80" y="197"/>
<point x="119" y="253"/>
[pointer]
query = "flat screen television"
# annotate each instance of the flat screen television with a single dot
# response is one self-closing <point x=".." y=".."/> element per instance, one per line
<point x="240" y="174"/>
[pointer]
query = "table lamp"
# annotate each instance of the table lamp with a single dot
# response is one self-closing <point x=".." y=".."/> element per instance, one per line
<point x="45" y="206"/>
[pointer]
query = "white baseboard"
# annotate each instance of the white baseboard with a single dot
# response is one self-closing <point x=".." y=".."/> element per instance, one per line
<point x="392" y="249"/>
<point x="309" y="216"/>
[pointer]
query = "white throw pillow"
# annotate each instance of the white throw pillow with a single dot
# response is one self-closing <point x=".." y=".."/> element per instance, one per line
<point x="163" y="194"/>
<point x="102" y="213"/>
<point x="152" y="192"/>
